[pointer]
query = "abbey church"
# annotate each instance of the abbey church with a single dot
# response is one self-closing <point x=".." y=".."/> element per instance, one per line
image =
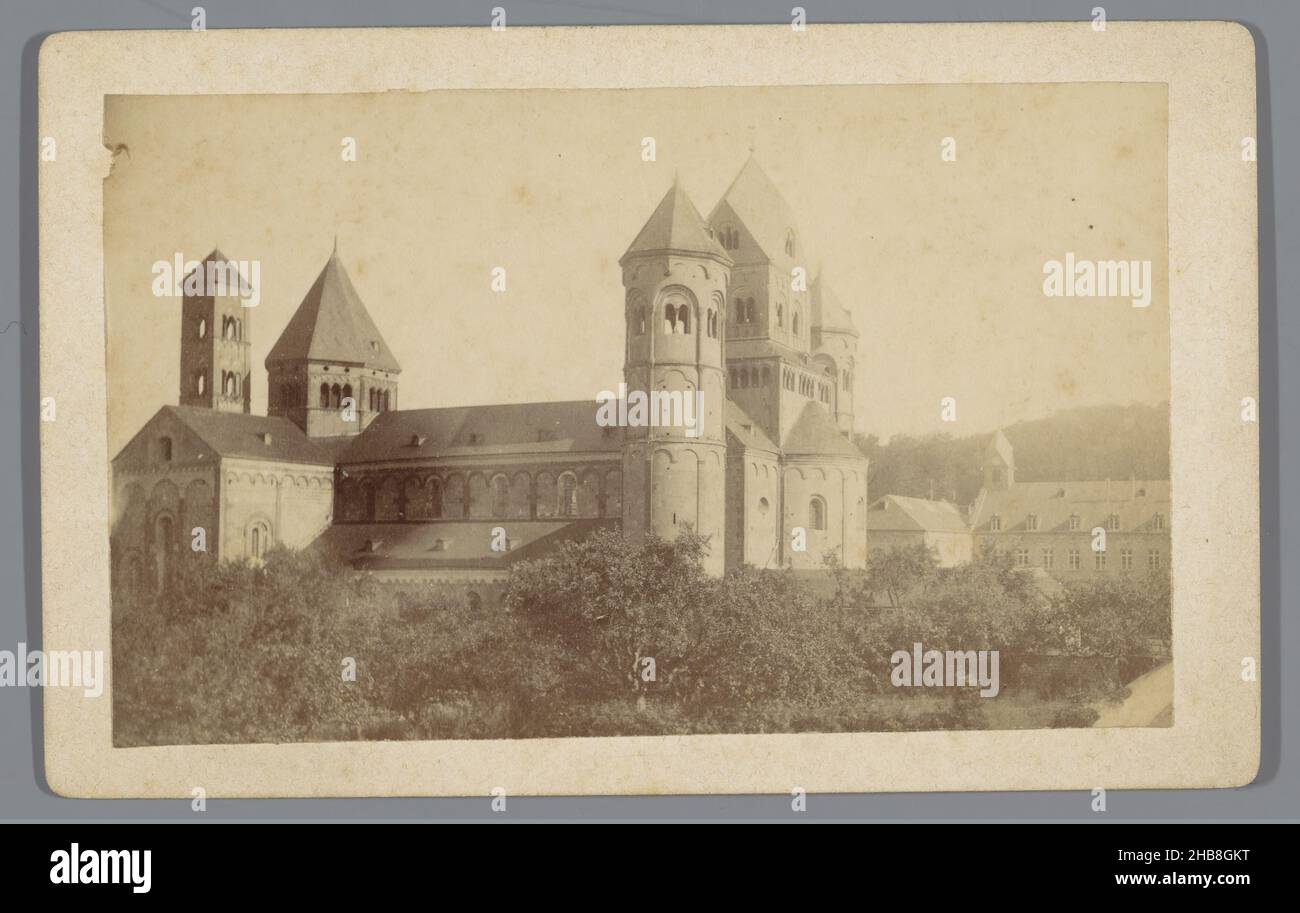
<point x="712" y="306"/>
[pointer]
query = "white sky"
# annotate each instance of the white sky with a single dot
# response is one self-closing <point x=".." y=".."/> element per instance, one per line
<point x="941" y="263"/>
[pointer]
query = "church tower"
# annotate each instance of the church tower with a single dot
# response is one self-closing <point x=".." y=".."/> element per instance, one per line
<point x="330" y="372"/>
<point x="675" y="277"/>
<point x="999" y="463"/>
<point x="215" y="332"/>
<point x="769" y="326"/>
<point x="835" y="343"/>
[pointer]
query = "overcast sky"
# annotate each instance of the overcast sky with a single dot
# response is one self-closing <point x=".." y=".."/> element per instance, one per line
<point x="940" y="262"/>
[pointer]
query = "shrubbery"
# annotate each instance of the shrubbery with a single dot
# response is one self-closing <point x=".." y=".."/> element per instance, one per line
<point x="603" y="637"/>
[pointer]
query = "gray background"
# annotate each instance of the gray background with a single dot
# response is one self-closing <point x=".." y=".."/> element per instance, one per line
<point x="23" y="794"/>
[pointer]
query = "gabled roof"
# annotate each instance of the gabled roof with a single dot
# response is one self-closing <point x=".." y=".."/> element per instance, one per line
<point x="755" y="201"/>
<point x="676" y="225"/>
<point x="563" y="427"/>
<point x="895" y="512"/>
<point x="1053" y="503"/>
<point x="744" y="432"/>
<point x="332" y="325"/>
<point x="234" y="434"/>
<point x="815" y="433"/>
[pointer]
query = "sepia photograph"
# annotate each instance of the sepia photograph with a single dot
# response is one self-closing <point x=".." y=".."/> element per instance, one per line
<point x="651" y="413"/>
<point x="545" y="413"/>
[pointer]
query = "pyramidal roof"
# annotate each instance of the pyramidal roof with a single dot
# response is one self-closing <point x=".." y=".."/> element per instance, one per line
<point x="216" y="257"/>
<point x="755" y="200"/>
<point x="332" y="325"/>
<point x="677" y="225"/>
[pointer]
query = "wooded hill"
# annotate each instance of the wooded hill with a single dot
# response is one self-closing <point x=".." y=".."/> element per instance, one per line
<point x="1089" y="443"/>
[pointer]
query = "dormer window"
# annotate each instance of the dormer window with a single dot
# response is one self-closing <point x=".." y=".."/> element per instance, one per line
<point x="165" y="449"/>
<point x="789" y="243"/>
<point x="1074" y="522"/>
<point x="995" y="523"/>
<point x="1112" y="522"/>
<point x="1031" y="523"/>
<point x="1158" y="521"/>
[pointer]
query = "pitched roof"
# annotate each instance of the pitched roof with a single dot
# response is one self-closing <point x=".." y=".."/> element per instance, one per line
<point x="676" y="225"/>
<point x="234" y="434"/>
<point x="744" y="432"/>
<point x="1053" y="503"/>
<point x="827" y="312"/>
<point x="815" y="433"/>
<point x="758" y="204"/>
<point x="563" y="427"/>
<point x="332" y="325"/>
<point x="895" y="512"/>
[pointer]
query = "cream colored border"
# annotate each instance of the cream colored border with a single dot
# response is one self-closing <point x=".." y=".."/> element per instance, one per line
<point x="1210" y="70"/>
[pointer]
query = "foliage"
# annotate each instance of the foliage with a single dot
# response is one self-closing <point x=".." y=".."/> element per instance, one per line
<point x="603" y="637"/>
<point x="1092" y="442"/>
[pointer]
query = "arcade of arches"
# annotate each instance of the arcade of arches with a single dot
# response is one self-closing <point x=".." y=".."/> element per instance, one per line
<point x="424" y="495"/>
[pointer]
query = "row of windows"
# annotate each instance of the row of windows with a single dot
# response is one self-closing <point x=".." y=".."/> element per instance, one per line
<point x="745" y="312"/>
<point x="415" y="498"/>
<point x="331" y="397"/>
<point x="231" y="328"/>
<point x="232" y="385"/>
<point x="729" y="238"/>
<point x="1075" y="524"/>
<point x="1074" y="559"/>
<point x="677" y="321"/>
<point x="743" y="377"/>
<point x="802" y="383"/>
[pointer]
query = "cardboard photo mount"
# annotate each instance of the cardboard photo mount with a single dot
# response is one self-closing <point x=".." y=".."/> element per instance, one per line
<point x="1209" y="70"/>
